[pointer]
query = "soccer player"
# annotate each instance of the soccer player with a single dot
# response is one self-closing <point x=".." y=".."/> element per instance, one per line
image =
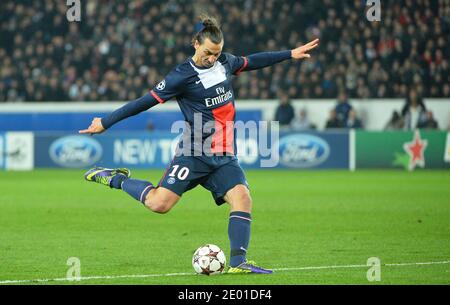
<point x="202" y="88"/>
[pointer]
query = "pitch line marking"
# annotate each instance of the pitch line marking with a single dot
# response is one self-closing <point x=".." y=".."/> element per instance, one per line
<point x="361" y="266"/>
<point x="108" y="277"/>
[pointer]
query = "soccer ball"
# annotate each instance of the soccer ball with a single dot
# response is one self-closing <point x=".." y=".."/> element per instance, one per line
<point x="209" y="259"/>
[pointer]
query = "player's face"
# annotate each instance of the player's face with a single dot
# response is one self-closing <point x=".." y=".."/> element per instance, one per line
<point x="207" y="53"/>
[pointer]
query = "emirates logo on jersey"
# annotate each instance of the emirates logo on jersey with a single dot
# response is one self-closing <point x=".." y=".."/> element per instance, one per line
<point x="219" y="99"/>
<point x="161" y="85"/>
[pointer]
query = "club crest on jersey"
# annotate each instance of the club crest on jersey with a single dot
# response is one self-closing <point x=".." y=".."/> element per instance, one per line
<point x="161" y="85"/>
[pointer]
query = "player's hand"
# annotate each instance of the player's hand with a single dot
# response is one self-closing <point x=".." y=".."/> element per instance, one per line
<point x="95" y="127"/>
<point x="302" y="52"/>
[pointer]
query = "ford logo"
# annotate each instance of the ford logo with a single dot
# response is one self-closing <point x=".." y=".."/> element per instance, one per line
<point x="75" y="151"/>
<point x="302" y="151"/>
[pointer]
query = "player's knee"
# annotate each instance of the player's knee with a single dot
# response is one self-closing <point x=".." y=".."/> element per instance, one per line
<point x="243" y="201"/>
<point x="160" y="206"/>
<point x="246" y="200"/>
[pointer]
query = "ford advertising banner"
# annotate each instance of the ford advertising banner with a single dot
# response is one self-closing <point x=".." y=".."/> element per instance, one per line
<point x="155" y="150"/>
<point x="140" y="150"/>
<point x="314" y="150"/>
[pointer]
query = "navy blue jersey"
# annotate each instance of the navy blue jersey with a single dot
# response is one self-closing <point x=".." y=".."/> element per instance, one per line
<point x="205" y="91"/>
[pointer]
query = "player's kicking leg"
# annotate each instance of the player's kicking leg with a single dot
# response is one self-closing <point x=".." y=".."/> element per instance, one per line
<point x="239" y="231"/>
<point x="159" y="200"/>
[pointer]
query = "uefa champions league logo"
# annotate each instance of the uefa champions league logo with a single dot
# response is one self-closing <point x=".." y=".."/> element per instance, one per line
<point x="161" y="85"/>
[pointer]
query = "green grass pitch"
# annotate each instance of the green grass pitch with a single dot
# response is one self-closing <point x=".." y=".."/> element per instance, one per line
<point x="312" y="227"/>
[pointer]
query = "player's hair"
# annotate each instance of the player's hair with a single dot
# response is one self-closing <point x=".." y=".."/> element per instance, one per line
<point x="210" y="29"/>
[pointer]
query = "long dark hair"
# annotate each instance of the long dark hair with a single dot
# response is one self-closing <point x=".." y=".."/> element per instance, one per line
<point x="408" y="103"/>
<point x="210" y="28"/>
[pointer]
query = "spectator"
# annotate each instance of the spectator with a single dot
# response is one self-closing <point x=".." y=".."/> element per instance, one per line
<point x="343" y="108"/>
<point x="395" y="123"/>
<point x="353" y="121"/>
<point x="429" y="122"/>
<point x="414" y="111"/>
<point x="285" y="111"/>
<point x="333" y="121"/>
<point x="302" y="122"/>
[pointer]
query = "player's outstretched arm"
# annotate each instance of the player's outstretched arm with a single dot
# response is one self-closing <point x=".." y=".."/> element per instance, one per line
<point x="266" y="59"/>
<point x="99" y="125"/>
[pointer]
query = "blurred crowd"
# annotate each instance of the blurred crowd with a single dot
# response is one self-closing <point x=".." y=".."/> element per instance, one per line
<point x="119" y="49"/>
<point x="413" y="115"/>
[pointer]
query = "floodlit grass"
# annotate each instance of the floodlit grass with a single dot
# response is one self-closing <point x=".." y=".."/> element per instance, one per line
<point x="301" y="219"/>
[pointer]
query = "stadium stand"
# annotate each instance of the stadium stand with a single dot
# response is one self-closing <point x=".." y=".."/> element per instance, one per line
<point x="119" y="49"/>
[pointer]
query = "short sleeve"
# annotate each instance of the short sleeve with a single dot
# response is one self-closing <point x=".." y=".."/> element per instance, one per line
<point x="169" y="87"/>
<point x="237" y="63"/>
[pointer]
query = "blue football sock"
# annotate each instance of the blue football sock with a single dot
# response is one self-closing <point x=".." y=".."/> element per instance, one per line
<point x="239" y="235"/>
<point x="138" y="189"/>
<point x="116" y="181"/>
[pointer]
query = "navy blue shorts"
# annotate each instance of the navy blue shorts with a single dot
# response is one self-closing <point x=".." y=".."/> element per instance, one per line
<point x="218" y="174"/>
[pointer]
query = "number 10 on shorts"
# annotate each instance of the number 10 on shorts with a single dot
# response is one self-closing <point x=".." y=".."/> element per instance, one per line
<point x="180" y="174"/>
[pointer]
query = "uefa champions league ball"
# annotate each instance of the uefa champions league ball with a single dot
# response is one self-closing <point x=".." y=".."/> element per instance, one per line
<point x="209" y="260"/>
